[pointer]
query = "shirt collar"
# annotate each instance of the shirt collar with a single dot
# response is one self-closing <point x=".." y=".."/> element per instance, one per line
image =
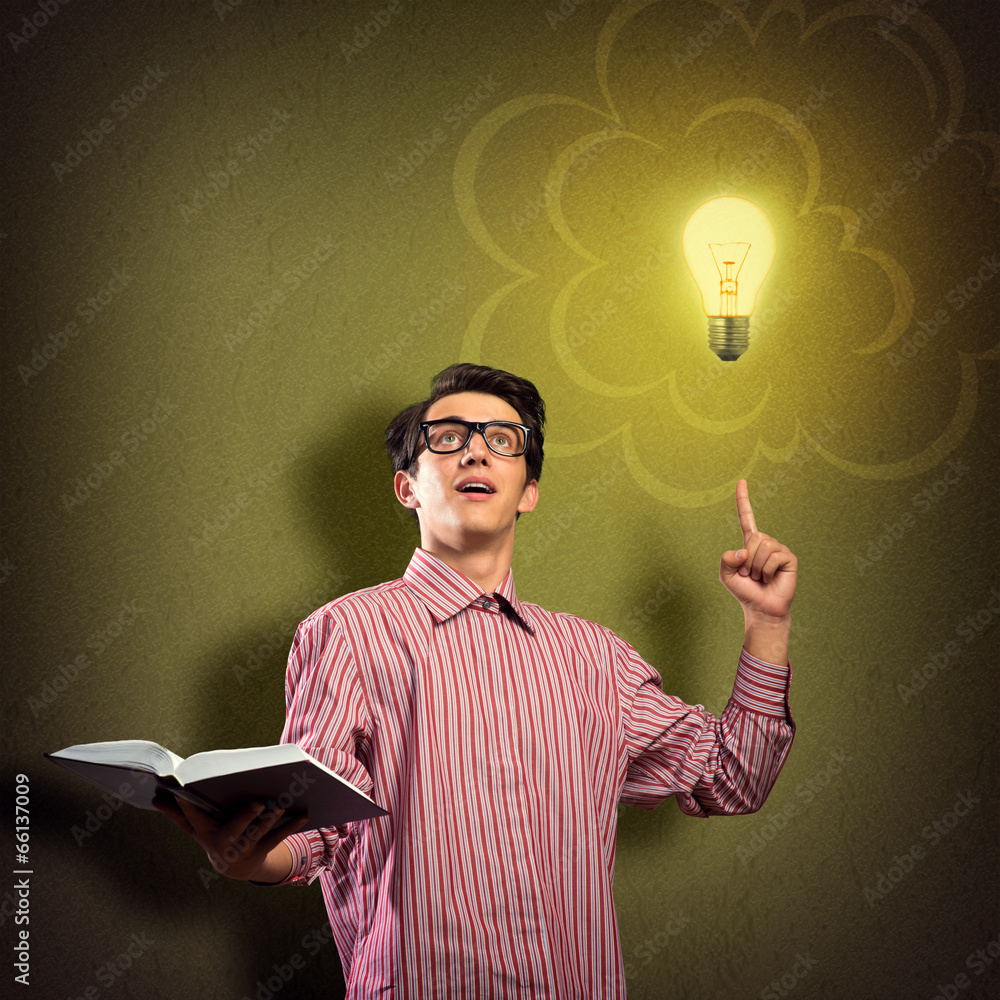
<point x="445" y="591"/>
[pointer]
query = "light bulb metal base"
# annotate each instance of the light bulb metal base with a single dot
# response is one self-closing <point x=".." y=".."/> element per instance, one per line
<point x="729" y="336"/>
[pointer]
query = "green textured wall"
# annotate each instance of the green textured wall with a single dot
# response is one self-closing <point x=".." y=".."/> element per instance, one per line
<point x="285" y="232"/>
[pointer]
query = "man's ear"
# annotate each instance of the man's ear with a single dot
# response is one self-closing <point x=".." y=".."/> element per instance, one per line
<point x="403" y="484"/>
<point x="529" y="498"/>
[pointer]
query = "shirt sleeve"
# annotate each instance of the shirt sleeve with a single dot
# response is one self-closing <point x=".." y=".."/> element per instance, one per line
<point x="715" y="766"/>
<point x="326" y="714"/>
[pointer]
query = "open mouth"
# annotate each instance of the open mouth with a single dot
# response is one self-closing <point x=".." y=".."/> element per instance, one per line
<point x="480" y="488"/>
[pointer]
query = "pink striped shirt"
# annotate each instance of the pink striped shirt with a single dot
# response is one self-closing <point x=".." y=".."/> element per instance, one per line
<point x="501" y="738"/>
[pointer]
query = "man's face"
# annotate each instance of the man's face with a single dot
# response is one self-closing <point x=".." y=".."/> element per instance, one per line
<point x="461" y="520"/>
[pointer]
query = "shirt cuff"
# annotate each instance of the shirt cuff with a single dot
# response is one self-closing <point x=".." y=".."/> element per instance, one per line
<point x="307" y="853"/>
<point x="762" y="687"/>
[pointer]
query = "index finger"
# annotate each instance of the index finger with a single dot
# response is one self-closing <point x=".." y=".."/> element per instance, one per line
<point x="745" y="511"/>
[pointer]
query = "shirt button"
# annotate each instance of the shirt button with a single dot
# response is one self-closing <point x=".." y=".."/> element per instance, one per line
<point x="487" y="603"/>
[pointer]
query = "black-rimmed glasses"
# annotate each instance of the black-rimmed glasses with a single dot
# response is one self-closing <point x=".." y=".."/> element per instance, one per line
<point x="502" y="438"/>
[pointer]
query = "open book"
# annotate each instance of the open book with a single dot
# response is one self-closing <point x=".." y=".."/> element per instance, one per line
<point x="221" y="781"/>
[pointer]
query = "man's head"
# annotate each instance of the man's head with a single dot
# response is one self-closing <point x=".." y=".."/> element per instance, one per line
<point x="513" y="398"/>
<point x="403" y="438"/>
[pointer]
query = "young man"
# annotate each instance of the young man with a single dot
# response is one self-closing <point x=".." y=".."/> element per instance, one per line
<point x="501" y="737"/>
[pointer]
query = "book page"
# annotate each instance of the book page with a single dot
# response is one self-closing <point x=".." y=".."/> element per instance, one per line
<point x="214" y="763"/>
<point x="141" y="755"/>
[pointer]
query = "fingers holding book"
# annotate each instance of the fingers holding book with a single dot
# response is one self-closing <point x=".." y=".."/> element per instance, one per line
<point x="245" y="846"/>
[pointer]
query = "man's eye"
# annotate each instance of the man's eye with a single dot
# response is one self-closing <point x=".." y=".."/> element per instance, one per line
<point x="501" y="441"/>
<point x="449" y="438"/>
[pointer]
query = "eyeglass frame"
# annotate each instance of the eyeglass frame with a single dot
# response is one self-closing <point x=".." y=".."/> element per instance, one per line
<point x="475" y="427"/>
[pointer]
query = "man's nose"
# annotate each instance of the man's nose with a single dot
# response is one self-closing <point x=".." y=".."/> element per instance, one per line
<point x="476" y="448"/>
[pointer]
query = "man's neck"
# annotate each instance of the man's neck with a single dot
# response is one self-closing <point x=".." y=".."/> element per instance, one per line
<point x="486" y="567"/>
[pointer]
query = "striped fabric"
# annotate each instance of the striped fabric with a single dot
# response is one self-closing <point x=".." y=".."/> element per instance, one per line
<point x="501" y="738"/>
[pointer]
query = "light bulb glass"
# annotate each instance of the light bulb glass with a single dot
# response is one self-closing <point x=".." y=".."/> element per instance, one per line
<point x="729" y="246"/>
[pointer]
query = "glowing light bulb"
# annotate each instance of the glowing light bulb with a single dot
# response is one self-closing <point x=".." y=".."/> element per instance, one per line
<point x="729" y="246"/>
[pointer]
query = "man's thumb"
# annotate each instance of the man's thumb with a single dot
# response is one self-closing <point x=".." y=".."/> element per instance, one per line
<point x="734" y="558"/>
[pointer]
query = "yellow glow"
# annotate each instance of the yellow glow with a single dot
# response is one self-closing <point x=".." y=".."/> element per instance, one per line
<point x="729" y="246"/>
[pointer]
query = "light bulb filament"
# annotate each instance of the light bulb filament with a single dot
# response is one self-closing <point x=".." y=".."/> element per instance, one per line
<point x="729" y="259"/>
<point x="727" y="290"/>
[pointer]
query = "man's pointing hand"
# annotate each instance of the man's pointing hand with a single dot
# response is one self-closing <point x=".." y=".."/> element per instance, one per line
<point x="761" y="575"/>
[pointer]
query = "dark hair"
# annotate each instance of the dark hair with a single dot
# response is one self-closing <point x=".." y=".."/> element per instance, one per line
<point x="402" y="436"/>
